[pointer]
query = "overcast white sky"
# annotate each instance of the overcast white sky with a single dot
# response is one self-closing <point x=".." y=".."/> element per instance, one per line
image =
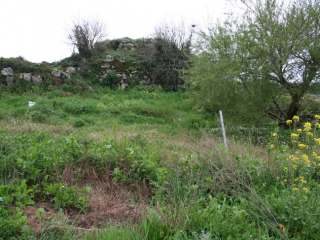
<point x="34" y="29"/>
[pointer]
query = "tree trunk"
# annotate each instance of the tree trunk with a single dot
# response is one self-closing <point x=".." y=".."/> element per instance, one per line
<point x="294" y="106"/>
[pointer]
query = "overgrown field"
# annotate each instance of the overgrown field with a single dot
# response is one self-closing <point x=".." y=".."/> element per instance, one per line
<point x="143" y="164"/>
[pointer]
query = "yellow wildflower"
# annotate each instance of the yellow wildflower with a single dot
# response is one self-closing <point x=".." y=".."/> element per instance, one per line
<point x="307" y="126"/>
<point x="282" y="227"/>
<point x="298" y="151"/>
<point x="317" y="117"/>
<point x="289" y="122"/>
<point x="296" y="189"/>
<point x="310" y="133"/>
<point x="295" y="207"/>
<point x="294" y="135"/>
<point x="301" y="145"/>
<point x="317" y="125"/>
<point x="305" y="158"/>
<point x="305" y="190"/>
<point x="295" y="166"/>
<point x="274" y="134"/>
<point x="271" y="146"/>
<point x="305" y="197"/>
<point x="295" y="118"/>
<point x="299" y="130"/>
<point x="317" y="140"/>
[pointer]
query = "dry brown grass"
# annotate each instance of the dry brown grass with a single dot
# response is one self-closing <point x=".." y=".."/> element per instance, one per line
<point x="109" y="201"/>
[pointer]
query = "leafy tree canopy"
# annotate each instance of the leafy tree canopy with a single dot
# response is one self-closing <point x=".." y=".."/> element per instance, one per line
<point x="263" y="62"/>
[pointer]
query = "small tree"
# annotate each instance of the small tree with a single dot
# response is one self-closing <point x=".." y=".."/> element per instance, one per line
<point x="87" y="36"/>
<point x="257" y="62"/>
<point x="170" y="54"/>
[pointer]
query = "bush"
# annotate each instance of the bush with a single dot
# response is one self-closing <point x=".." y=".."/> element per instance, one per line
<point x="111" y="80"/>
<point x="79" y="123"/>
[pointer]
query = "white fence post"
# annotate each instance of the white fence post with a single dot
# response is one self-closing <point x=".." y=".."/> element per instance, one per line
<point x="223" y="131"/>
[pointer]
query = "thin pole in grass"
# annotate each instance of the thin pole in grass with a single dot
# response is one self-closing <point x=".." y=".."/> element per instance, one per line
<point x="223" y="130"/>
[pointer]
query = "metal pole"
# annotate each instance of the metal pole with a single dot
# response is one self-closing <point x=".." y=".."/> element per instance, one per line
<point x="223" y="131"/>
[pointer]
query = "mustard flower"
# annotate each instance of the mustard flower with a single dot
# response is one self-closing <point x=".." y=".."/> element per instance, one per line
<point x="317" y="117"/>
<point x="289" y="122"/>
<point x="294" y="135"/>
<point x="274" y="134"/>
<point x="295" y="118"/>
<point x="310" y="133"/>
<point x="301" y="145"/>
<point x="271" y="146"/>
<point x="299" y="130"/>
<point x="305" y="190"/>
<point x="305" y="158"/>
<point x="317" y="125"/>
<point x="307" y="126"/>
<point x="296" y="189"/>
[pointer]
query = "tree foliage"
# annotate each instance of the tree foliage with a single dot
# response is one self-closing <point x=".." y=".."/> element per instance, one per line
<point x="87" y="36"/>
<point x="170" y="54"/>
<point x="257" y="63"/>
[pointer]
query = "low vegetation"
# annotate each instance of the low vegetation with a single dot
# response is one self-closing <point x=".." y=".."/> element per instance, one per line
<point x="147" y="151"/>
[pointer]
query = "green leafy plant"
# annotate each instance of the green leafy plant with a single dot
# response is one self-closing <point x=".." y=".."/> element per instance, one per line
<point x="64" y="196"/>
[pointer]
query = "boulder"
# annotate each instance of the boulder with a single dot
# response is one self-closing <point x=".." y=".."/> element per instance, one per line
<point x="64" y="75"/>
<point x="9" y="80"/>
<point x="56" y="73"/>
<point x="108" y="58"/>
<point x="143" y="82"/>
<point x="132" y="49"/>
<point x="124" y="76"/>
<point x="7" y="71"/>
<point x="25" y="76"/>
<point x="122" y="59"/>
<point x="70" y="70"/>
<point x="129" y="45"/>
<point x="123" y="40"/>
<point x="119" y="75"/>
<point x="105" y="65"/>
<point x="37" y="79"/>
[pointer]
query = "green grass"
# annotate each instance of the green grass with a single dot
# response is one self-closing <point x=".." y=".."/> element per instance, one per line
<point x="200" y="189"/>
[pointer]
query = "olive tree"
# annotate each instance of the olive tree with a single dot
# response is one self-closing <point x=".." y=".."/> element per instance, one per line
<point x="255" y="63"/>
